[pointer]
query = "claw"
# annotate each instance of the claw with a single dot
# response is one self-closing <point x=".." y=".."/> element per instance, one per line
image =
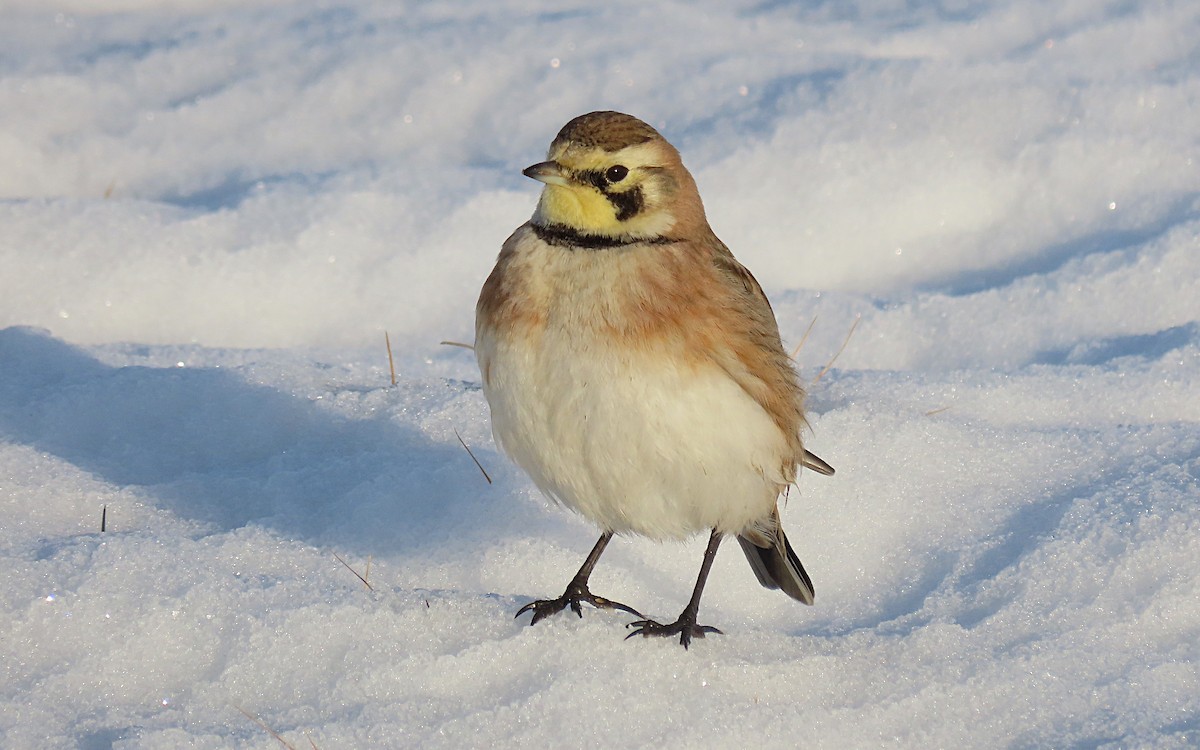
<point x="573" y="597"/>
<point x="685" y="627"/>
<point x="577" y="591"/>
<point x="602" y="603"/>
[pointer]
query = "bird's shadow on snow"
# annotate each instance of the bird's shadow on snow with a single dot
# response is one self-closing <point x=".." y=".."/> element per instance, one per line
<point x="208" y="446"/>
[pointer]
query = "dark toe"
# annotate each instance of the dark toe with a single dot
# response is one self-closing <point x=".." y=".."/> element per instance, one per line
<point x="685" y="629"/>
<point x="573" y="598"/>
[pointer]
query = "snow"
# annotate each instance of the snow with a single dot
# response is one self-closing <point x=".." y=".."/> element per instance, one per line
<point x="211" y="212"/>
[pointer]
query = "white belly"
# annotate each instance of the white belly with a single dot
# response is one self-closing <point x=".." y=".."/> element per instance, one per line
<point x="636" y="443"/>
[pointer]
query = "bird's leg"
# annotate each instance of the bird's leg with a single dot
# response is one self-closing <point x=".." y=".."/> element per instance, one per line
<point x="577" y="591"/>
<point x="685" y="626"/>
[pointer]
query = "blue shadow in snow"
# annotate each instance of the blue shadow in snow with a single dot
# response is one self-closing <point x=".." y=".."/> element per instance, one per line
<point x="1054" y="257"/>
<point x="208" y="446"/>
<point x="1102" y="351"/>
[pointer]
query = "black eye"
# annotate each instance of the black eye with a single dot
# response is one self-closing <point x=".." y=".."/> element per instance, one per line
<point x="616" y="173"/>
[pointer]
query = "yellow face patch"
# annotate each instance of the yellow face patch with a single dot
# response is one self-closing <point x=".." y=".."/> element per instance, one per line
<point x="581" y="207"/>
<point x="633" y="207"/>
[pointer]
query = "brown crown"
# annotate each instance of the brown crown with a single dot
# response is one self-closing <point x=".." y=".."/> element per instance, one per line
<point x="611" y="131"/>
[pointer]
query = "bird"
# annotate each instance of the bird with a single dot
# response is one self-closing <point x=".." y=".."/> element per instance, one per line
<point x="634" y="369"/>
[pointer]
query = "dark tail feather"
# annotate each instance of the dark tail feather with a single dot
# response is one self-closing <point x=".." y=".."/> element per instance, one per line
<point x="777" y="567"/>
<point x="812" y="461"/>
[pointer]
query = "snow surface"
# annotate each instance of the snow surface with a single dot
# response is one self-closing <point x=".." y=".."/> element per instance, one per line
<point x="210" y="212"/>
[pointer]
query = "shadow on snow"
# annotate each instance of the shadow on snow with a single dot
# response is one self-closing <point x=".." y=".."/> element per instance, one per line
<point x="208" y="446"/>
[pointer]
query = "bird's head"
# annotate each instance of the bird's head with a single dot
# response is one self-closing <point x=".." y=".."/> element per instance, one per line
<point x="613" y="176"/>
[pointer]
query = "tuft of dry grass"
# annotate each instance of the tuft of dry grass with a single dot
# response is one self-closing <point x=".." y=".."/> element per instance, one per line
<point x="796" y="351"/>
<point x="838" y="353"/>
<point x="829" y="365"/>
<point x="391" y="362"/>
<point x="362" y="578"/>
<point x="263" y="725"/>
<point x="472" y="455"/>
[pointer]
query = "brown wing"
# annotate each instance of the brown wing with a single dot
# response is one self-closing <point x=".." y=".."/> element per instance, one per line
<point x="759" y="363"/>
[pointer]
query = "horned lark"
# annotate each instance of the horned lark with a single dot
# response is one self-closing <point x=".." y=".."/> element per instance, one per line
<point x="634" y="369"/>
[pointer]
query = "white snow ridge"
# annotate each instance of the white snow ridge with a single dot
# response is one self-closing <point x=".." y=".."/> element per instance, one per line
<point x="210" y="212"/>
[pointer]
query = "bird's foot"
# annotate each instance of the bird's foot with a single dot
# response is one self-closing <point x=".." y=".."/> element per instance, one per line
<point x="685" y="627"/>
<point x="575" y="594"/>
